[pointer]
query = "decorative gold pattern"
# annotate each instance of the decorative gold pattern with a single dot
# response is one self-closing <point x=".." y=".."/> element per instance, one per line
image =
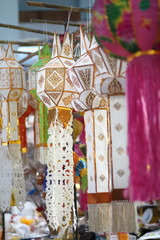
<point x="67" y="49"/>
<point x="118" y="127"/>
<point x="100" y="118"/>
<point x="75" y="80"/>
<point x="54" y="95"/>
<point x="53" y="76"/>
<point x="117" y="106"/>
<point x="101" y="137"/>
<point x="67" y="100"/>
<point x="120" y="172"/>
<point x="46" y="100"/>
<point x="14" y="94"/>
<point x="98" y="61"/>
<point x="89" y="99"/>
<point x="13" y="114"/>
<point x="85" y="75"/>
<point x="89" y="138"/>
<point x="101" y="158"/>
<point x="91" y="178"/>
<point x="70" y="82"/>
<point x="102" y="177"/>
<point x="13" y="129"/>
<point x="120" y="150"/>
<point x="113" y="64"/>
<point x="65" y="116"/>
<point x="67" y="62"/>
<point x="90" y="159"/>
<point x="103" y="103"/>
<point x="115" y="87"/>
<point x="88" y="119"/>
<point x="41" y="81"/>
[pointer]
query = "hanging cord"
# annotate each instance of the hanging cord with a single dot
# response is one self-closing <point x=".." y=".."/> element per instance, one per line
<point x="46" y="30"/>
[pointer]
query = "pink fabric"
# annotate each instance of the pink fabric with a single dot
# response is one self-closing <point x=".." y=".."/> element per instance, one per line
<point x="102" y="29"/>
<point x="83" y="200"/>
<point x="146" y="23"/>
<point x="143" y="93"/>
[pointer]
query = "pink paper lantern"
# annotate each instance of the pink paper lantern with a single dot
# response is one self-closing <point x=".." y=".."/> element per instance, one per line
<point x="130" y="30"/>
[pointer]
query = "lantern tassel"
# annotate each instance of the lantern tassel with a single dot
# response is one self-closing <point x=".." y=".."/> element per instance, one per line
<point x="143" y="93"/>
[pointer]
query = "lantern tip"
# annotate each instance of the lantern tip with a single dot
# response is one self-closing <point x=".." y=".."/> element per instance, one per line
<point x="10" y="53"/>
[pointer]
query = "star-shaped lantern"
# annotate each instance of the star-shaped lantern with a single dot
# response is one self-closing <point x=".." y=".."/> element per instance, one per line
<point x="12" y="88"/>
<point x="106" y="178"/>
<point x="56" y="91"/>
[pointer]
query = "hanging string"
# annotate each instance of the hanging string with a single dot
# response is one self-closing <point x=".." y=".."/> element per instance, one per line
<point x="46" y="30"/>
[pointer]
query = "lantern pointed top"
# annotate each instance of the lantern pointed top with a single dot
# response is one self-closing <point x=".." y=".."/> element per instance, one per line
<point x="94" y="43"/>
<point x="84" y="42"/>
<point x="67" y="47"/>
<point x="2" y="52"/>
<point x="56" y="46"/>
<point x="10" y="53"/>
<point x="46" y="53"/>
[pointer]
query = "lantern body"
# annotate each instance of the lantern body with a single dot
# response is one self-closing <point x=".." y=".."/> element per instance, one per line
<point x="131" y="30"/>
<point x="12" y="77"/>
<point x="53" y="86"/>
<point x="12" y="88"/>
<point x="105" y="122"/>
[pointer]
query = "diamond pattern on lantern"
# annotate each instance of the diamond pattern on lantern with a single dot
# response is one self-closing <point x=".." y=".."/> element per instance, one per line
<point x="91" y="178"/>
<point x="89" y="138"/>
<point x="88" y="119"/>
<point x="98" y="61"/>
<point x="118" y="127"/>
<point x="13" y="129"/>
<point x="13" y="114"/>
<point x="67" y="100"/>
<point x="101" y="158"/>
<point x="41" y="80"/>
<point x="117" y="106"/>
<point x="85" y="75"/>
<point x="120" y="172"/>
<point x="101" y="137"/>
<point x="100" y="118"/>
<point x="102" y="178"/>
<point x="90" y="159"/>
<point x="120" y="150"/>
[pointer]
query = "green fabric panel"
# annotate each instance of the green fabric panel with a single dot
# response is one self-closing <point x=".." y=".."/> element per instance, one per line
<point x="33" y="92"/>
<point x="45" y="124"/>
<point x="41" y="121"/>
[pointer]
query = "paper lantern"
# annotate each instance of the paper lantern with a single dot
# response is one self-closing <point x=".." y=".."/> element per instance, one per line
<point x="41" y="131"/>
<point x="56" y="91"/>
<point x="131" y="30"/>
<point x="107" y="172"/>
<point x="12" y="86"/>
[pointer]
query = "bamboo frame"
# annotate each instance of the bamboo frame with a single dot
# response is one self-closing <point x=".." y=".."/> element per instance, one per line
<point x="25" y="29"/>
<point x="55" y="22"/>
<point x="59" y="7"/>
<point x="22" y="43"/>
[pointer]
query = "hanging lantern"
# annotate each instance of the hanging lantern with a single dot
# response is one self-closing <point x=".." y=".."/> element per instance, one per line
<point x="5" y="161"/>
<point x="131" y="31"/>
<point x="12" y="84"/>
<point x="41" y="131"/>
<point x="106" y="176"/>
<point x="56" y="91"/>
